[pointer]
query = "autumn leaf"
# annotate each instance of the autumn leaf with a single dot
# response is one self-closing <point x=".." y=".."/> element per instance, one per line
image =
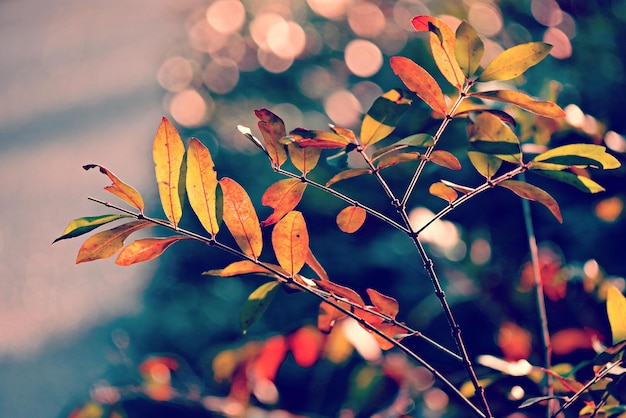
<point x="282" y="196"/>
<point x="515" y="61"/>
<point x="241" y="218"/>
<point x="385" y="304"/>
<point x="350" y="219"/>
<point x="242" y="267"/>
<point x="120" y="189"/>
<point x="576" y="154"/>
<point x="273" y="130"/>
<point x="201" y="182"/>
<point x="469" y="49"/>
<point x="306" y="345"/>
<point x="105" y="244"/>
<point x="145" y="250"/>
<point x="315" y="265"/>
<point x="530" y="192"/>
<point x="443" y="48"/>
<point x="459" y="188"/>
<point x="419" y="81"/>
<point x="616" y="310"/>
<point x="256" y="304"/>
<point x="347" y="174"/>
<point x="341" y="291"/>
<point x="87" y="224"/>
<point x="445" y="159"/>
<point x="447" y="193"/>
<point x="319" y="139"/>
<point x="383" y="116"/>
<point x="391" y="330"/>
<point x="487" y="165"/>
<point x="168" y="152"/>
<point x="304" y="159"/>
<point x="487" y="134"/>
<point x="580" y="182"/>
<point x="538" y="107"/>
<point x="398" y="158"/>
<point x="328" y="316"/>
<point x="290" y="240"/>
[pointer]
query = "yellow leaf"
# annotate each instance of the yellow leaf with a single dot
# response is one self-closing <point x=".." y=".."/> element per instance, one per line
<point x="168" y="152"/>
<point x="350" y="219"/>
<point x="441" y="190"/>
<point x="201" y="182"/>
<point x="106" y="243"/>
<point x="241" y="218"/>
<point x="304" y="159"/>
<point x="290" y="240"/>
<point x="538" y="107"/>
<point x="616" y="310"/>
<point x="120" y="189"/>
<point x="144" y="250"/>
<point x="515" y="61"/>
<point x="282" y="196"/>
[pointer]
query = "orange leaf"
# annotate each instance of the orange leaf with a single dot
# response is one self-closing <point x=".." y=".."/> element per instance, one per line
<point x="120" y="189"/>
<point x="282" y="196"/>
<point x="386" y="304"/>
<point x="273" y="130"/>
<point x="347" y="174"/>
<point x="306" y="345"/>
<point x="390" y="330"/>
<point x="350" y="219"/>
<point x="266" y="365"/>
<point x="341" y="291"/>
<point x="390" y="160"/>
<point x="538" y="107"/>
<point x="419" y="81"/>
<point x="304" y="159"/>
<point x="445" y="192"/>
<point x="445" y="159"/>
<point x="315" y="265"/>
<point x="328" y="316"/>
<point x="245" y="267"/>
<point x="241" y="218"/>
<point x="442" y="45"/>
<point x="530" y="192"/>
<point x="319" y="139"/>
<point x="290" y="240"/>
<point x="106" y="243"/>
<point x="168" y="152"/>
<point x="144" y="250"/>
<point x="201" y="182"/>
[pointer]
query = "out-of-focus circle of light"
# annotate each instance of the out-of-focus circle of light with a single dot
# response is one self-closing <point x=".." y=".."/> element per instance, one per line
<point x="235" y="49"/>
<point x="226" y="16"/>
<point x="289" y="113"/>
<point x="366" y="92"/>
<point x="392" y="40"/>
<point x="480" y="251"/>
<point x="343" y="108"/>
<point x="574" y="115"/>
<point x="286" y="39"/>
<point x="561" y="46"/>
<point x="363" y="58"/>
<point x="568" y="25"/>
<point x="189" y="108"/>
<point x="203" y="37"/>
<point x="615" y="141"/>
<point x="175" y="74"/>
<point x="221" y="76"/>
<point x="272" y="62"/>
<point x="485" y="18"/>
<point x="404" y="11"/>
<point x="492" y="49"/>
<point x="546" y="12"/>
<point x="366" y="19"/>
<point x="436" y="399"/>
<point x="315" y="81"/>
<point x="330" y="9"/>
<point x="261" y="25"/>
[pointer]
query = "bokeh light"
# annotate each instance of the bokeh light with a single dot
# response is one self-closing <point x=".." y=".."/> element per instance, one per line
<point x="366" y="19"/>
<point x="363" y="58"/>
<point x="343" y="108"/>
<point x="485" y="18"/>
<point x="226" y="16"/>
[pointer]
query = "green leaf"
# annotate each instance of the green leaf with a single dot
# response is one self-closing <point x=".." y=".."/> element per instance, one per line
<point x="580" y="155"/>
<point x="257" y="303"/>
<point x="538" y="107"/>
<point x="616" y="310"/>
<point x="530" y="192"/>
<point x="347" y="174"/>
<point x="580" y="182"/>
<point x="515" y="61"/>
<point x="489" y="128"/>
<point x="81" y="226"/>
<point x="469" y="49"/>
<point x="531" y="401"/>
<point x="486" y="165"/>
<point x="419" y="81"/>
<point x="383" y="116"/>
<point x="106" y="243"/>
<point x="494" y="148"/>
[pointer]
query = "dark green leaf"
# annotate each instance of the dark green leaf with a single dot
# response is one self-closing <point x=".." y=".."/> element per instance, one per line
<point x="81" y="226"/>
<point x="579" y="154"/>
<point x="257" y="303"/>
<point x="580" y="182"/>
<point x="383" y="116"/>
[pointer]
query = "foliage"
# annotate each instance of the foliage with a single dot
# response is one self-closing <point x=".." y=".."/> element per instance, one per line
<point x="286" y="258"/>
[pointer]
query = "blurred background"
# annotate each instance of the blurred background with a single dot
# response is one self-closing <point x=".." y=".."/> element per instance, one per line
<point x="87" y="82"/>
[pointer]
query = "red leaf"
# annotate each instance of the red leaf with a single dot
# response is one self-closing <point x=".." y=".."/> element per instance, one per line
<point x="241" y="218"/>
<point x="341" y="291"/>
<point x="266" y="365"/>
<point x="319" y="139"/>
<point x="306" y="345"/>
<point x="144" y="250"/>
<point x="105" y="244"/>
<point x="386" y="304"/>
<point x="120" y="189"/>
<point x="273" y="130"/>
<point x="328" y="316"/>
<point x="419" y="81"/>
<point x="283" y="196"/>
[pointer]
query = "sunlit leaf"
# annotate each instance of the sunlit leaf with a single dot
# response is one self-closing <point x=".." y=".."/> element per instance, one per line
<point x="257" y="304"/>
<point x="315" y="265"/>
<point x="344" y="132"/>
<point x="580" y="182"/>
<point x="538" y="107"/>
<point x="385" y="304"/>
<point x="282" y="196"/>
<point x="530" y="192"/>
<point x="397" y="158"/>
<point x="81" y="226"/>
<point x="445" y="159"/>
<point x="168" y="152"/>
<point x="144" y="250"/>
<point x="441" y="190"/>
<point x="383" y="116"/>
<point x="120" y="189"/>
<point x="341" y="291"/>
<point x="273" y="130"/>
<point x="488" y="128"/>
<point x="458" y="187"/>
<point x="350" y="219"/>
<point x="242" y="267"/>
<point x="347" y="174"/>
<point x="241" y="218"/>
<point x="515" y="61"/>
<point x="306" y="345"/>
<point x="318" y="139"/>
<point x="418" y="140"/>
<point x="304" y="159"/>
<point x="442" y="45"/>
<point x="201" y="184"/>
<point x="469" y="49"/>
<point x="486" y="165"/>
<point x="616" y="310"/>
<point x="247" y="132"/>
<point x="328" y="316"/>
<point x="579" y="155"/>
<point x="419" y="81"/>
<point x="106" y="243"/>
<point x="610" y="354"/>
<point x="290" y="240"/>
<point x="474" y="109"/>
<point x="393" y="331"/>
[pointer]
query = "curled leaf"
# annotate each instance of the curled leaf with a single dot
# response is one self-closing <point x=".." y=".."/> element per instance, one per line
<point x="530" y="192"/>
<point x="144" y="250"/>
<point x="201" y="182"/>
<point x="273" y="130"/>
<point x="81" y="226"/>
<point x="168" y="152"/>
<point x="290" y="240"/>
<point x="106" y="243"/>
<point x="242" y="267"/>
<point x="458" y="187"/>
<point x="241" y="218"/>
<point x="419" y="81"/>
<point x="445" y="192"/>
<point x="120" y="189"/>
<point x="256" y="304"/>
<point x="350" y="219"/>
<point x="390" y="160"/>
<point x="515" y="61"/>
<point x="282" y="196"/>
